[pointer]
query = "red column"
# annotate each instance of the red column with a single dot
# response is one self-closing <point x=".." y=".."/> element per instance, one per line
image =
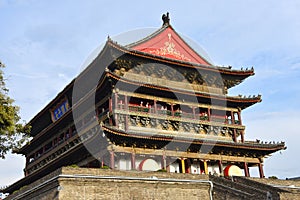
<point x="116" y="107"/>
<point x="239" y="117"/>
<point x="110" y="107"/>
<point x="234" y="130"/>
<point x="246" y="169"/>
<point x="172" y="110"/>
<point x="200" y="170"/>
<point x="220" y="166"/>
<point x="261" y="171"/>
<point x="125" y="102"/>
<point x="155" y="106"/>
<point x="112" y="160"/>
<point x="133" y="167"/>
<point x="188" y="164"/>
<point x="232" y="118"/>
<point x="116" y="101"/>
<point x="208" y="113"/>
<point x="194" y="112"/>
<point x="242" y="136"/>
<point x="234" y="135"/>
<point x="102" y="162"/>
<point x="127" y="109"/>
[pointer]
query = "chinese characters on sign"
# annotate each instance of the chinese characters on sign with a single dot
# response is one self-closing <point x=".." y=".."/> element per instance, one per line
<point x="60" y="110"/>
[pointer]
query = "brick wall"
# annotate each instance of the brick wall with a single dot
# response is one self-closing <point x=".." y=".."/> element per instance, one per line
<point x="84" y="184"/>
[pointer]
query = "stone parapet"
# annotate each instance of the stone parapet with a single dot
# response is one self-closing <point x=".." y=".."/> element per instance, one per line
<point x="85" y="183"/>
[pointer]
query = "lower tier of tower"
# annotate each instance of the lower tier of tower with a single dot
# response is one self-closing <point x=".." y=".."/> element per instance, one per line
<point x="143" y="161"/>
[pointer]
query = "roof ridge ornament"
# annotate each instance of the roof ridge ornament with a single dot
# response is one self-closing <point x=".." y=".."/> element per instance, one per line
<point x="166" y="19"/>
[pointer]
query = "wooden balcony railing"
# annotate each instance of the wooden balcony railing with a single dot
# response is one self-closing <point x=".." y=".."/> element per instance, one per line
<point x="177" y="113"/>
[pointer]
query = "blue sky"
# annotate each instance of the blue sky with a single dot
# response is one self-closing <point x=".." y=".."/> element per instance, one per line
<point x="44" y="43"/>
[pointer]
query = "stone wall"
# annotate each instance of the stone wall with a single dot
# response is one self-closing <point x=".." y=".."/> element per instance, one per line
<point x="84" y="184"/>
<point x="254" y="188"/>
<point x="291" y="186"/>
<point x="83" y="189"/>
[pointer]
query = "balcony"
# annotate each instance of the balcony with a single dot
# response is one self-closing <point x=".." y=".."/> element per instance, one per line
<point x="148" y="118"/>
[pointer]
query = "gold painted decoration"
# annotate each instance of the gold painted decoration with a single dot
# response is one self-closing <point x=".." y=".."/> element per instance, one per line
<point x="169" y="49"/>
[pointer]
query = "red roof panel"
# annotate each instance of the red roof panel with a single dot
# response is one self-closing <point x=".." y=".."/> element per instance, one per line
<point x="168" y="43"/>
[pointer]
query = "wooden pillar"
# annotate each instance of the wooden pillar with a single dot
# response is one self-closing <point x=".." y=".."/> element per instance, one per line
<point x="116" y="97"/>
<point x="232" y="118"/>
<point x="205" y="167"/>
<point x="234" y="135"/>
<point x="220" y="166"/>
<point x="116" y="120"/>
<point x="155" y="106"/>
<point x="110" y="108"/>
<point x="240" y="117"/>
<point x="242" y="136"/>
<point x="246" y="169"/>
<point x="25" y="172"/>
<point x="133" y="167"/>
<point x="261" y="171"/>
<point x="102" y="162"/>
<point x="194" y="112"/>
<point x="164" y="161"/>
<point x="234" y="130"/>
<point x="27" y="161"/>
<point x="167" y="164"/>
<point x="172" y="110"/>
<point x="127" y="109"/>
<point x="188" y="163"/>
<point x="209" y="114"/>
<point x="199" y="167"/>
<point x="112" y="160"/>
<point x="116" y="107"/>
<point x="182" y="166"/>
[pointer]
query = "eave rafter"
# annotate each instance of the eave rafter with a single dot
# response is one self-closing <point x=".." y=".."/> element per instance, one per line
<point x="218" y="146"/>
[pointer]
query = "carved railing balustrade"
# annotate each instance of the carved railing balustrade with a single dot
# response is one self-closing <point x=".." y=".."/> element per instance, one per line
<point x="142" y="117"/>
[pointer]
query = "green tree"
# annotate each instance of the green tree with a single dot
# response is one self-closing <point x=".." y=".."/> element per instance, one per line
<point x="13" y="134"/>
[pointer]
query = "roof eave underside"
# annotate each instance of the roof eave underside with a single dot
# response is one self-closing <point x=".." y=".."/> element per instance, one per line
<point x="212" y="68"/>
<point x="260" y="147"/>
